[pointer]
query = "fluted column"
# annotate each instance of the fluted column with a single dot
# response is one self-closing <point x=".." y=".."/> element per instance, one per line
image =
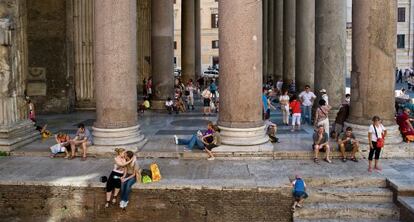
<point x="278" y="40"/>
<point x="187" y="40"/>
<point x="240" y="71"/>
<point x="373" y="58"/>
<point x="15" y="128"/>
<point x="197" y="19"/>
<point x="305" y="43"/>
<point x="265" y="44"/>
<point x="162" y="51"/>
<point x="289" y="27"/>
<point x="270" y="37"/>
<point x="330" y="51"/>
<point x="116" y="75"/>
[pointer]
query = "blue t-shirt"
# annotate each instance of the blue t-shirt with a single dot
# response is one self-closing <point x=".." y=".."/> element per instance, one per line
<point x="213" y="87"/>
<point x="265" y="105"/>
<point x="299" y="185"/>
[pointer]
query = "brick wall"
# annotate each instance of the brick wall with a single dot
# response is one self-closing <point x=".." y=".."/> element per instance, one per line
<point x="46" y="203"/>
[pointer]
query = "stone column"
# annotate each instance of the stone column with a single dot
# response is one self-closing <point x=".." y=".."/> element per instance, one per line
<point x="143" y="42"/>
<point x="197" y="19"/>
<point x="289" y="26"/>
<point x="265" y="18"/>
<point x="240" y="71"/>
<point x="373" y="58"/>
<point x="162" y="51"/>
<point x="116" y="76"/>
<point x="330" y="51"/>
<point x="270" y="37"/>
<point x="278" y="40"/>
<point x="187" y="40"/>
<point x="305" y="43"/>
<point x="15" y="128"/>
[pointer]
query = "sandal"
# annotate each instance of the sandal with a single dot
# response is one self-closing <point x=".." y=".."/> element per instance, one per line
<point x="107" y="204"/>
<point x="316" y="160"/>
<point x="354" y="159"/>
<point x="370" y="170"/>
<point x="327" y="160"/>
<point x="114" y="200"/>
<point x="71" y="158"/>
<point x="344" y="159"/>
<point x="84" y="158"/>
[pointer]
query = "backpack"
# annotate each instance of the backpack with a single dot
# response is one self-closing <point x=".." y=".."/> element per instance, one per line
<point x="156" y="175"/>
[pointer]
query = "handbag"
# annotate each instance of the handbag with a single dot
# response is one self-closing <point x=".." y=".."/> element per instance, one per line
<point x="380" y="141"/>
<point x="155" y="171"/>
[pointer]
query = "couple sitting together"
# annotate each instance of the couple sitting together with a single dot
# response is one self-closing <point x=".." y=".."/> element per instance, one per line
<point x="83" y="139"/>
<point x="205" y="141"/>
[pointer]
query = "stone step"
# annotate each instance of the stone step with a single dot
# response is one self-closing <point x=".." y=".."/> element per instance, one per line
<point x="383" y="211"/>
<point x="355" y="195"/>
<point x="345" y="182"/>
<point x="344" y="220"/>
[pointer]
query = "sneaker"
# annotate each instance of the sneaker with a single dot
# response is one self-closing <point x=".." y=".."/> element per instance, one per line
<point x="176" y="139"/>
<point x="121" y="204"/>
<point x="211" y="158"/>
<point x="125" y="204"/>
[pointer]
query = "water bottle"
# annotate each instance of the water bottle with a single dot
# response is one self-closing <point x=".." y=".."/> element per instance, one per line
<point x="117" y="177"/>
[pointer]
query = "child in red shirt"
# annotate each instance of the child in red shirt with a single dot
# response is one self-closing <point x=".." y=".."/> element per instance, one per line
<point x="296" y="113"/>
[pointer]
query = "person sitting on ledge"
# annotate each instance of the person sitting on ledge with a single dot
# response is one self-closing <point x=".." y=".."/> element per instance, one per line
<point x="212" y="141"/>
<point x="144" y="106"/>
<point x="62" y="145"/>
<point x="169" y="105"/>
<point x="196" y="139"/>
<point x="271" y="129"/>
<point x="321" y="143"/>
<point x="83" y="139"/>
<point x="404" y="122"/>
<point x="348" y="143"/>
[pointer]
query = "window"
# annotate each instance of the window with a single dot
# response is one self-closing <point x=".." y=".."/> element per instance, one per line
<point x="401" y="14"/>
<point x="175" y="44"/>
<point x="214" y="20"/>
<point x="215" y="44"/>
<point x="401" y="41"/>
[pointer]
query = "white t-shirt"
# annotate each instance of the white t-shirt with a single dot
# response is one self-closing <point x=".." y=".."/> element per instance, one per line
<point x="190" y="89"/>
<point x="284" y="98"/>
<point x="279" y="85"/>
<point x="307" y="98"/>
<point x="169" y="103"/>
<point x="326" y="98"/>
<point x="380" y="130"/>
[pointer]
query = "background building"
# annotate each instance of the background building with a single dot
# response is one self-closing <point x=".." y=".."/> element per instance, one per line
<point x="209" y="33"/>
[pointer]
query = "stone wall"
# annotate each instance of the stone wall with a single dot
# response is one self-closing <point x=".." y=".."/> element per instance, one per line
<point x="47" y="203"/>
<point x="50" y="85"/>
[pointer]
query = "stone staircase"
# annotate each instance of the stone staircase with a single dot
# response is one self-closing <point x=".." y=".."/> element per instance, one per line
<point x="352" y="199"/>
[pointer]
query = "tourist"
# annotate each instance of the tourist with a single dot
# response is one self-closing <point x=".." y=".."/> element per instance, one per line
<point x="213" y="89"/>
<point x="113" y="184"/>
<point x="292" y="87"/>
<point x="307" y="97"/>
<point x="83" y="139"/>
<point x="322" y="115"/>
<point x="62" y="145"/>
<point x="190" y="94"/>
<point x="32" y="115"/>
<point x="404" y="122"/>
<point x="284" y="106"/>
<point x="299" y="192"/>
<point x="266" y="103"/>
<point x="271" y="129"/>
<point x="196" y="140"/>
<point x="376" y="139"/>
<point x="169" y="105"/>
<point x="149" y="88"/>
<point x="179" y="105"/>
<point x="144" y="87"/>
<point x="348" y="143"/>
<point x="400" y="76"/>
<point x="212" y="141"/>
<point x="206" y="94"/>
<point x="144" y="105"/>
<point x="321" y="143"/>
<point x="132" y="174"/>
<point x="200" y="82"/>
<point x="341" y="116"/>
<point x="296" y="113"/>
<point x="324" y="96"/>
<point x="279" y="85"/>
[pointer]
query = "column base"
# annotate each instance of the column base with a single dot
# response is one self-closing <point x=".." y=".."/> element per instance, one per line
<point x="361" y="133"/>
<point x="106" y="140"/>
<point x="17" y="135"/>
<point x="244" y="140"/>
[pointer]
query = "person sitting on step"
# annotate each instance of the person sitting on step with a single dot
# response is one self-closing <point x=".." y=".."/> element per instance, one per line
<point x="348" y="143"/>
<point x="321" y="143"/>
<point x="271" y="129"/>
<point x="212" y="141"/>
<point x="169" y="105"/>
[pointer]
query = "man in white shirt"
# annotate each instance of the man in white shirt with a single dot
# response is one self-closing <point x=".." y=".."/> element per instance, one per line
<point x="307" y="97"/>
<point x="169" y="104"/>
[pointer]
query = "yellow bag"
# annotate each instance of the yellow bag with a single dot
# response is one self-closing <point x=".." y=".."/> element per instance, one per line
<point x="156" y="175"/>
